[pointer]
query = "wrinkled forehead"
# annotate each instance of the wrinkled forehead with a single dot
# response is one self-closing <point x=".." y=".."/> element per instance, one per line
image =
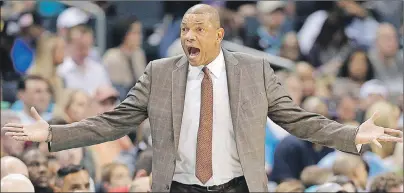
<point x="196" y="19"/>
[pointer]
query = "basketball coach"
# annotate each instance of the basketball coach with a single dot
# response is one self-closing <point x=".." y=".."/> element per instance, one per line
<point x="207" y="111"/>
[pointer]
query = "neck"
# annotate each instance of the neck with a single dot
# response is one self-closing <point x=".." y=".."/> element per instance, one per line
<point x="79" y="62"/>
<point x="215" y="56"/>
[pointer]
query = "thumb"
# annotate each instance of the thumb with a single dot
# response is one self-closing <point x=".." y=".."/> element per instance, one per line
<point x="35" y="114"/>
<point x="375" y="116"/>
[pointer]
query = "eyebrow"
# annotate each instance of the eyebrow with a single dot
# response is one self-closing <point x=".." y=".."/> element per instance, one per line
<point x="198" y="22"/>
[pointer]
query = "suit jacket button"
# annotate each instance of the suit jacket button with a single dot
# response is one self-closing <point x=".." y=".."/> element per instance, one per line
<point x="167" y="187"/>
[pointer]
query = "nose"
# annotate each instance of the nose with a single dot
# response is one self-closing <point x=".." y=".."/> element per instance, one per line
<point x="190" y="36"/>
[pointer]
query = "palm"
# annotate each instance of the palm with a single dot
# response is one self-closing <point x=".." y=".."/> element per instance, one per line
<point x="36" y="132"/>
<point x="369" y="132"/>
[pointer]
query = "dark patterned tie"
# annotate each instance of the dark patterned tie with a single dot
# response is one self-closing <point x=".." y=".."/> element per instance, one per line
<point x="203" y="168"/>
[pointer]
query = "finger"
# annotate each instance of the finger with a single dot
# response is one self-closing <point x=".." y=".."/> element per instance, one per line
<point x="13" y="129"/>
<point x="389" y="138"/>
<point x="393" y="131"/>
<point x="377" y="143"/>
<point x="375" y="116"/>
<point x="14" y="125"/>
<point x="21" y="138"/>
<point x="15" y="134"/>
<point x="35" y="114"/>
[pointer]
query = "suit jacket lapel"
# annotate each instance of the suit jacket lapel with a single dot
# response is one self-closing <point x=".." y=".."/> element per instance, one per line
<point x="233" y="81"/>
<point x="179" y="82"/>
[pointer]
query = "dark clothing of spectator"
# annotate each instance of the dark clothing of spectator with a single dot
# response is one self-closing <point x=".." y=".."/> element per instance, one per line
<point x="292" y="155"/>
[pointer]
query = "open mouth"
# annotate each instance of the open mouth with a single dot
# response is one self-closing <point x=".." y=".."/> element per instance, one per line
<point x="193" y="52"/>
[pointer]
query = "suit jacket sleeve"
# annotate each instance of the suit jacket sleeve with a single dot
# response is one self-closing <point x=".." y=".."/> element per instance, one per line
<point x="305" y="125"/>
<point x="107" y="126"/>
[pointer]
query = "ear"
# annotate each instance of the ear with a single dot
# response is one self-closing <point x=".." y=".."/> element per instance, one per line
<point x="20" y="95"/>
<point x="220" y="34"/>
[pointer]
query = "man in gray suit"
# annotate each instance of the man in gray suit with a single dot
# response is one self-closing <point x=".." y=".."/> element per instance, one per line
<point x="207" y="111"/>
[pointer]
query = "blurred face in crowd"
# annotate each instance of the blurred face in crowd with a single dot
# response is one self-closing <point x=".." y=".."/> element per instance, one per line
<point x="387" y="40"/>
<point x="59" y="51"/>
<point x="358" y="66"/>
<point x="274" y="19"/>
<point x="347" y="109"/>
<point x="294" y="88"/>
<point x="290" y="47"/>
<point x="79" y="181"/>
<point x="80" y="46"/>
<point x="306" y="74"/>
<point x="78" y="107"/>
<point x="134" y="36"/>
<point x="36" y="94"/>
<point x="9" y="145"/>
<point x="37" y="164"/>
<point x="120" y="177"/>
<point x="201" y="34"/>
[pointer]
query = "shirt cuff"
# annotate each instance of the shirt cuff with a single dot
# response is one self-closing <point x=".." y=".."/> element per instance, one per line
<point x="359" y="147"/>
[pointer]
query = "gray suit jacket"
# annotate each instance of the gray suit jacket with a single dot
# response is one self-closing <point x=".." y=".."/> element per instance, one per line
<point x="254" y="93"/>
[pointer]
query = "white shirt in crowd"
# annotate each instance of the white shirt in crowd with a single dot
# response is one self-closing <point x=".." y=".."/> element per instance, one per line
<point x="87" y="77"/>
<point x="26" y="118"/>
<point x="225" y="160"/>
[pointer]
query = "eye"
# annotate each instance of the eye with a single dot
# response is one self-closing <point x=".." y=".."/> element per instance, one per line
<point x="199" y="29"/>
<point x="183" y="29"/>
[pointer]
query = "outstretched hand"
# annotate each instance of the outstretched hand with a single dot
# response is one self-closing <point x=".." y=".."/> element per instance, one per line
<point x="36" y="132"/>
<point x="370" y="133"/>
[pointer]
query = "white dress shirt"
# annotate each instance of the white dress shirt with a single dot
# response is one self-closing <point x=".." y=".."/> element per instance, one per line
<point x="225" y="160"/>
<point x="87" y="77"/>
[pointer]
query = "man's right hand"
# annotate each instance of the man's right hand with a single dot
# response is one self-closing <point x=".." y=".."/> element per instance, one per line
<point x="36" y="132"/>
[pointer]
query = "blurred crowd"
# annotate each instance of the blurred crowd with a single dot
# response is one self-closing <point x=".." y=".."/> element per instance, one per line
<point x="348" y="65"/>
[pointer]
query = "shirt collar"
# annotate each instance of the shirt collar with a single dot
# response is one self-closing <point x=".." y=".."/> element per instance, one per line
<point x="215" y="67"/>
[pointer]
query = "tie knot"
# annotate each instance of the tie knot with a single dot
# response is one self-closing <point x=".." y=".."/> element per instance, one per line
<point x="205" y="70"/>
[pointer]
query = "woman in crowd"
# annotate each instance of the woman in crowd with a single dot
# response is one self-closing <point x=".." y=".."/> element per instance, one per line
<point x="49" y="54"/>
<point x="126" y="61"/>
<point x="72" y="107"/>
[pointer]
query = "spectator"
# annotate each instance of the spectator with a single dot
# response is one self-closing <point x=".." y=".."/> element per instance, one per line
<point x="37" y="164"/>
<point x="53" y="167"/>
<point x="270" y="34"/>
<point x="292" y="155"/>
<point x="16" y="183"/>
<point x="23" y="50"/>
<point x="314" y="175"/>
<point x="346" y="183"/>
<point x="126" y="61"/>
<point x="78" y="70"/>
<point x="74" y="106"/>
<point x="9" y="146"/>
<point x="72" y="17"/>
<point x="353" y="167"/>
<point x="355" y="71"/>
<point x="144" y="163"/>
<point x="386" y="59"/>
<point x="370" y="92"/>
<point x="73" y="178"/>
<point x="290" y="186"/>
<point x="294" y="88"/>
<point x="388" y="116"/>
<point x="290" y="48"/>
<point x="388" y="182"/>
<point x="106" y="98"/>
<point x="49" y="53"/>
<point x="115" y="175"/>
<point x="12" y="165"/>
<point x="306" y="74"/>
<point x="346" y="110"/>
<point x="322" y="39"/>
<point x="34" y="91"/>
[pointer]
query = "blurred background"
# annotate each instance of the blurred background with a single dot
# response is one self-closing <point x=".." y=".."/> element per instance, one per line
<point x="75" y="59"/>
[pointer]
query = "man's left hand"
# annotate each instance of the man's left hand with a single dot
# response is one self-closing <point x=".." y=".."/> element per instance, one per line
<point x="370" y="133"/>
